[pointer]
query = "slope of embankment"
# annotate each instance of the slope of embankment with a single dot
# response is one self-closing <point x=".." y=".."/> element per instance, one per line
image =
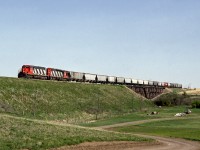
<point x="31" y="134"/>
<point x="71" y="102"/>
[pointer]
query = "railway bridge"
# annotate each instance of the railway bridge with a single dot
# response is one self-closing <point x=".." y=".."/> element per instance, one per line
<point x="147" y="91"/>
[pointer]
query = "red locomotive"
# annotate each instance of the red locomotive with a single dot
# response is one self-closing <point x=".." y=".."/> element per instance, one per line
<point x="37" y="72"/>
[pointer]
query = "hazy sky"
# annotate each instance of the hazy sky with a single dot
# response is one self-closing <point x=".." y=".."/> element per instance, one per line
<point x="145" y="39"/>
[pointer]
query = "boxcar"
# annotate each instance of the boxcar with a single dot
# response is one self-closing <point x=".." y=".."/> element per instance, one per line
<point x="120" y="80"/>
<point x="171" y="85"/>
<point x="90" y="77"/>
<point x="111" y="79"/>
<point x="146" y="82"/>
<point x="140" y="82"/>
<point x="134" y="81"/>
<point x="102" y="78"/>
<point x="180" y="85"/>
<point x="150" y="82"/>
<point x="128" y="80"/>
<point x="165" y="84"/>
<point x="76" y="76"/>
<point x="155" y="83"/>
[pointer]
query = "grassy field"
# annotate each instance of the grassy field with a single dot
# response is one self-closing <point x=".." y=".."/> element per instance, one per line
<point x="187" y="128"/>
<point x="72" y="102"/>
<point x="63" y="102"/>
<point x="164" y="112"/>
<point x="119" y="119"/>
<point x="26" y="134"/>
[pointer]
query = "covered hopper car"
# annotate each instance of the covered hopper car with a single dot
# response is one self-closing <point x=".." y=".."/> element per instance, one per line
<point x="37" y="72"/>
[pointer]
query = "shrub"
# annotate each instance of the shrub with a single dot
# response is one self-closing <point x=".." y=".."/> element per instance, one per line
<point x="196" y="104"/>
<point x="170" y="99"/>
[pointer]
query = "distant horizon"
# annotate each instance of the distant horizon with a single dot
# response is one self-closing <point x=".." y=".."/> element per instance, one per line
<point x="148" y="40"/>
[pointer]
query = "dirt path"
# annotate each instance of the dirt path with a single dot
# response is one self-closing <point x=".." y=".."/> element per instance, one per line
<point x="160" y="144"/>
<point x="140" y="122"/>
<point x="164" y="143"/>
<point x="172" y="144"/>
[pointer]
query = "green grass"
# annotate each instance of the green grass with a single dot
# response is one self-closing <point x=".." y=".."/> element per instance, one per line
<point x="171" y="111"/>
<point x="188" y="128"/>
<point x="73" y="102"/>
<point x="177" y="90"/>
<point x="164" y="112"/>
<point x="19" y="133"/>
<point x="80" y="103"/>
<point x="119" y="119"/>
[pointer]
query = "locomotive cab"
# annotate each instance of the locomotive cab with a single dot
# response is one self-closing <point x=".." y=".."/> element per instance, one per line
<point x="24" y="71"/>
<point x="28" y="71"/>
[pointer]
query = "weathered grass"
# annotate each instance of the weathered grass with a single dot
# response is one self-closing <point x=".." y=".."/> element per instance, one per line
<point x="26" y="134"/>
<point x="72" y="102"/>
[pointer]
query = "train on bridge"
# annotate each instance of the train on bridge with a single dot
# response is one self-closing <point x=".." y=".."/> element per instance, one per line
<point x="147" y="88"/>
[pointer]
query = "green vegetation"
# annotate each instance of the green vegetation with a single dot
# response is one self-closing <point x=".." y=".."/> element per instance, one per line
<point x="196" y="104"/>
<point x="177" y="90"/>
<point x="25" y="134"/>
<point x="168" y="112"/>
<point x="186" y="128"/>
<point x="176" y="99"/>
<point x="164" y="112"/>
<point x="72" y="102"/>
<point x="169" y="99"/>
<point x="119" y="119"/>
<point x="65" y="102"/>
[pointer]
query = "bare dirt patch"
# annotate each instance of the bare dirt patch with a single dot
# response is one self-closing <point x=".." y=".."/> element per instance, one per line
<point x="160" y="144"/>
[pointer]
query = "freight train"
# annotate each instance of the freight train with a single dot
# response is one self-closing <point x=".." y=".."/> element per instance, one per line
<point x="37" y="72"/>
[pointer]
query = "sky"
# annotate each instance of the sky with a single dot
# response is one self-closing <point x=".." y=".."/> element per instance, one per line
<point x="143" y="39"/>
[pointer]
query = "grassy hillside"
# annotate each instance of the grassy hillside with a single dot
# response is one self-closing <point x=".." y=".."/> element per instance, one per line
<point x="19" y="133"/>
<point x="71" y="102"/>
